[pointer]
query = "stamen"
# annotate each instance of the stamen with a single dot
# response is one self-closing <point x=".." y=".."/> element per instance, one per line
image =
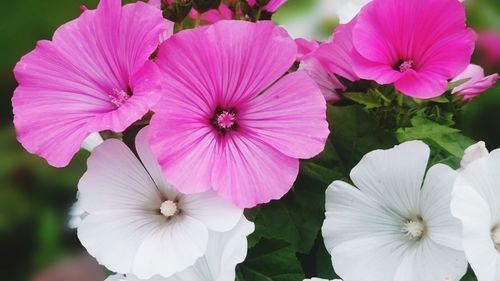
<point x="119" y="97"/>
<point x="226" y="119"/>
<point x="414" y="229"/>
<point x="406" y="65"/>
<point x="169" y="208"/>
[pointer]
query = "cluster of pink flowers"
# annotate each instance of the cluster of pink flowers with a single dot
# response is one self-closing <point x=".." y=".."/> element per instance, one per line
<point x="228" y="115"/>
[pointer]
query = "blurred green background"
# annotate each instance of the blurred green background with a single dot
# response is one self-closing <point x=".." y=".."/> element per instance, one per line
<point x="35" y="199"/>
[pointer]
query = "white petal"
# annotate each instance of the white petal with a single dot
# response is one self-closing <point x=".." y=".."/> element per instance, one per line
<point x="435" y="198"/>
<point x="171" y="248"/>
<point x="113" y="238"/>
<point x="350" y="215"/>
<point x="216" y="213"/>
<point x="394" y="176"/>
<point x="473" y="211"/>
<point x="473" y="153"/>
<point x="370" y="258"/>
<point x="429" y="261"/>
<point x="116" y="180"/>
<point x="92" y="141"/>
<point x="151" y="163"/>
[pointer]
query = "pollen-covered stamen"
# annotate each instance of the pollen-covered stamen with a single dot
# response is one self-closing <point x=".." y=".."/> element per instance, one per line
<point x="169" y="208"/>
<point x="406" y="65"/>
<point x="495" y="236"/>
<point x="226" y="119"/>
<point x="414" y="229"/>
<point x="119" y="97"/>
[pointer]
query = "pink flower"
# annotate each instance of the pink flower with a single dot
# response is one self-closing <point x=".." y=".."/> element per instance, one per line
<point x="477" y="83"/>
<point x="93" y="76"/>
<point x="417" y="45"/>
<point x="489" y="42"/>
<point x="229" y="120"/>
<point x="330" y="59"/>
<point x="212" y="16"/>
<point x="271" y="7"/>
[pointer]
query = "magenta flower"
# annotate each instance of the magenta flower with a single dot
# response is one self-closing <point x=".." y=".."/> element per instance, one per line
<point x="93" y="76"/>
<point x="305" y="47"/>
<point x="214" y="15"/>
<point x="417" y="45"/>
<point x="271" y="6"/>
<point x="489" y="43"/>
<point x="229" y="120"/>
<point x="476" y="84"/>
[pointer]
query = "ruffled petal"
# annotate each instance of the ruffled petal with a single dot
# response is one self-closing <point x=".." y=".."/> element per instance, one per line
<point x="327" y="82"/>
<point x="259" y="173"/>
<point x="394" y="176"/>
<point x="421" y="84"/>
<point x="67" y="86"/>
<point x="116" y="180"/>
<point x="380" y="72"/>
<point x="294" y="107"/>
<point x="243" y="59"/>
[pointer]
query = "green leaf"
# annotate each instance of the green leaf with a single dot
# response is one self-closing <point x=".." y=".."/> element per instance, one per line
<point x="354" y="132"/>
<point x="373" y="98"/>
<point x="455" y="84"/>
<point x="270" y="260"/>
<point x="448" y="139"/>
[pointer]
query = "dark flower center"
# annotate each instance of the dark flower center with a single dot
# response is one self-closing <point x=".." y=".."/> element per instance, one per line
<point x="224" y="120"/>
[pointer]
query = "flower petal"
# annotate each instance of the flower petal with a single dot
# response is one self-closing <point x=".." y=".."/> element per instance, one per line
<point x="171" y="248"/>
<point x="214" y="212"/>
<point x="259" y="173"/>
<point x="327" y="82"/>
<point x="294" y="107"/>
<point x="421" y="85"/>
<point x="394" y="176"/>
<point x="116" y="180"/>
<point x="435" y="199"/>
<point x="243" y="59"/>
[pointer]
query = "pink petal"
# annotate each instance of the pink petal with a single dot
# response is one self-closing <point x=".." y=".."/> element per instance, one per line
<point x="421" y="85"/>
<point x="249" y="172"/>
<point x="65" y="84"/>
<point x="290" y="116"/>
<point x="242" y="60"/>
<point x="304" y="47"/>
<point x="273" y="5"/>
<point x="370" y="70"/>
<point x="327" y="82"/>
<point x="477" y="83"/>
<point x="336" y="55"/>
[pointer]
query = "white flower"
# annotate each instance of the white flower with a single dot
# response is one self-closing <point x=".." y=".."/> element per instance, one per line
<point x="472" y="153"/>
<point x="224" y="252"/>
<point x="476" y="202"/>
<point x="137" y="222"/>
<point x="76" y="215"/>
<point x="394" y="227"/>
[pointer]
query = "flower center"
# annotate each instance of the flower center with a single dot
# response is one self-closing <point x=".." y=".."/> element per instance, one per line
<point x="404" y="66"/>
<point x="224" y="120"/>
<point x="169" y="208"/>
<point x="495" y="236"/>
<point x="414" y="229"/>
<point x="119" y="97"/>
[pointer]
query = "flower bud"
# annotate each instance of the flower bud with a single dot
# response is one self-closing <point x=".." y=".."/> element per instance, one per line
<point x="204" y="5"/>
<point x="178" y="10"/>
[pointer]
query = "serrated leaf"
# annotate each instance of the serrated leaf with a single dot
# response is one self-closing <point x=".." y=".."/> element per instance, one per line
<point x="373" y="98"/>
<point x="270" y="260"/>
<point x="450" y="140"/>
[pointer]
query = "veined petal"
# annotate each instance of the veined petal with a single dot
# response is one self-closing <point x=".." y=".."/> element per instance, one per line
<point x="263" y="172"/>
<point x="394" y="176"/>
<point x="294" y="107"/>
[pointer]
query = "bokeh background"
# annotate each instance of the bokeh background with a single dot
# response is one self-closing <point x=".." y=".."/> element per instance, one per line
<point x="35" y="199"/>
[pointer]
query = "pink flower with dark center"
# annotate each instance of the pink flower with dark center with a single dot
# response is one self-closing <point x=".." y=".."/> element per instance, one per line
<point x="417" y="45"/>
<point x="230" y="119"/>
<point x="94" y="75"/>
<point x="476" y="84"/>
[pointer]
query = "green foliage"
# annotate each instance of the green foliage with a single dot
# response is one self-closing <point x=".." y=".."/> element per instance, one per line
<point x="270" y="260"/>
